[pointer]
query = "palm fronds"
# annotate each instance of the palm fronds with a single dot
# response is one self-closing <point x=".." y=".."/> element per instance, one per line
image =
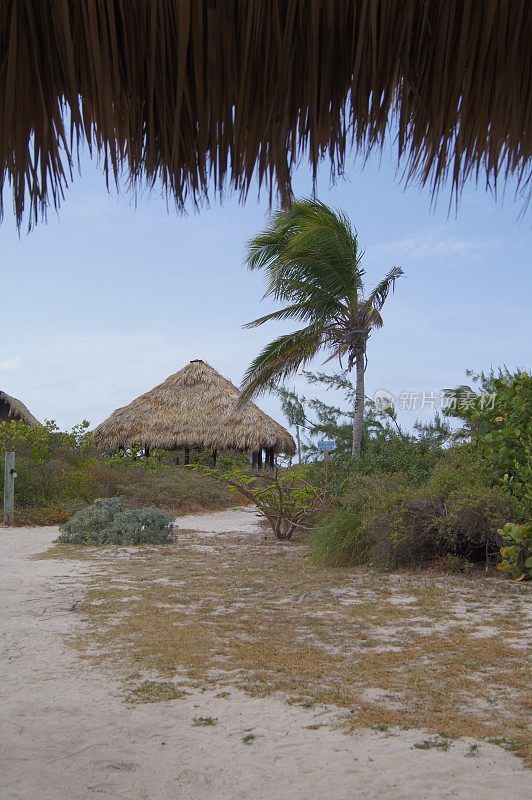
<point x="312" y="261"/>
<point x="280" y="359"/>
<point x="377" y="296"/>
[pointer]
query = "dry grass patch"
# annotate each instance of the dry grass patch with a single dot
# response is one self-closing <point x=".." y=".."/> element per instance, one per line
<point x="419" y="650"/>
<point x="66" y="552"/>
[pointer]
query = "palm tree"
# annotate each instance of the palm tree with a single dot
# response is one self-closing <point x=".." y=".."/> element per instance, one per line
<point x="313" y="264"/>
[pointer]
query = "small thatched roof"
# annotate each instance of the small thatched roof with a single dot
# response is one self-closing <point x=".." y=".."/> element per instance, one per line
<point x="196" y="407"/>
<point x="13" y="409"/>
<point x="199" y="93"/>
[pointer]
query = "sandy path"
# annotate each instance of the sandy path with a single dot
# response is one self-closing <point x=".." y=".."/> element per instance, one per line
<point x="66" y="735"/>
<point x="237" y="520"/>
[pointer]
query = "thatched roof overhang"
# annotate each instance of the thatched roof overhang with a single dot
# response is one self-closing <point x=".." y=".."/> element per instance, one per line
<point x="199" y="94"/>
<point x="195" y="407"/>
<point x="13" y="409"/>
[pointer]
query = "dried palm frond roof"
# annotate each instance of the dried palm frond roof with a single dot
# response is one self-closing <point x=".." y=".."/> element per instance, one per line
<point x="199" y="93"/>
<point x="195" y="407"/>
<point x="13" y="409"/>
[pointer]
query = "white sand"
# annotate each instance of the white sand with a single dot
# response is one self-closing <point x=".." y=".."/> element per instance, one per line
<point x="66" y="735"/>
<point x="242" y="519"/>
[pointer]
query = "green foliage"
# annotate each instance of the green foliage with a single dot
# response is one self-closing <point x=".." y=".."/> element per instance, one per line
<point x="425" y="526"/>
<point x="340" y="539"/>
<point x="386" y="520"/>
<point x="517" y="556"/>
<point x="385" y="446"/>
<point x="146" y="482"/>
<point x="429" y="503"/>
<point x="135" y="455"/>
<point x="459" y="467"/>
<point x="286" y="498"/>
<point x="59" y="473"/>
<point x="107" y="521"/>
<point x="455" y="512"/>
<point x="499" y="420"/>
<point x="87" y="525"/>
<point x="313" y="267"/>
<point x="38" y="443"/>
<point x="404" y="454"/>
<point x="343" y="537"/>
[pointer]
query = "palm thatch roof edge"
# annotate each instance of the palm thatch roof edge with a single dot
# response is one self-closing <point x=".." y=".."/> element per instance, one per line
<point x="18" y="411"/>
<point x="210" y="93"/>
<point x="195" y="407"/>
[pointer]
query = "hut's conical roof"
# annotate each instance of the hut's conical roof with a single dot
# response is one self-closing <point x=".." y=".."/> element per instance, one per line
<point x="13" y="409"/>
<point x="195" y="407"/>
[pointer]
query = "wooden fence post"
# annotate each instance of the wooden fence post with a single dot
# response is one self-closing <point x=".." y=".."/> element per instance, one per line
<point x="9" y="487"/>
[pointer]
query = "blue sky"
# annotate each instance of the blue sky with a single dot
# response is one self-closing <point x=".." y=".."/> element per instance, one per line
<point x="106" y="300"/>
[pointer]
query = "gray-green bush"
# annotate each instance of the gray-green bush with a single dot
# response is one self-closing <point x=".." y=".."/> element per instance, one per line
<point x="107" y="521"/>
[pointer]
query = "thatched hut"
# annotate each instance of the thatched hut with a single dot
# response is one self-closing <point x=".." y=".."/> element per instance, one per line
<point x="210" y="93"/>
<point x="13" y="409"/>
<point x="196" y="408"/>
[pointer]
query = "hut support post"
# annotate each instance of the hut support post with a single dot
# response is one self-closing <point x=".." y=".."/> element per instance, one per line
<point x="187" y="455"/>
<point x="270" y="457"/>
<point x="259" y="459"/>
<point x="9" y="487"/>
<point x="214" y="455"/>
<point x="254" y="460"/>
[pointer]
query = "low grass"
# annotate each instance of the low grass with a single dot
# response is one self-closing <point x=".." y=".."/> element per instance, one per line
<point x="435" y="743"/>
<point x="154" y="692"/>
<point x="417" y="650"/>
<point x="511" y="745"/>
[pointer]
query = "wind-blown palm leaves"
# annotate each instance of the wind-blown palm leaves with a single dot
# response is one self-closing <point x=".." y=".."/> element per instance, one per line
<point x="313" y="265"/>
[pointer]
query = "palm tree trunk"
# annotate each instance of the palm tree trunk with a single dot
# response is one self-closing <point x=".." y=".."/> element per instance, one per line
<point x="358" y="416"/>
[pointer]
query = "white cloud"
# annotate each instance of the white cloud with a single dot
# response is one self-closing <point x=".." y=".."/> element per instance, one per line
<point x="10" y="364"/>
<point x="435" y="244"/>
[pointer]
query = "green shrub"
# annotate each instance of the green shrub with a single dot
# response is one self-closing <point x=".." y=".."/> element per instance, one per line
<point x="343" y="537"/>
<point x="59" y="473"/>
<point x="340" y="539"/>
<point x="459" y="466"/>
<point x="107" y="521"/>
<point x="388" y="522"/>
<point x="413" y="458"/>
<point x="424" y="526"/>
<point x="455" y="513"/>
<point x="146" y="483"/>
<point x="517" y="556"/>
<point x="288" y="499"/>
<point x="499" y="420"/>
